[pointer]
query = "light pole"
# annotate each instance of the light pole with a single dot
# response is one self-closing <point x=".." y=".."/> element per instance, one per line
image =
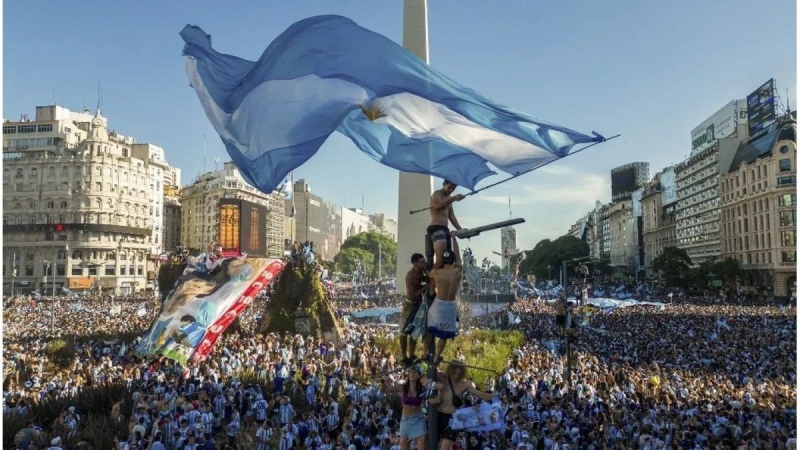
<point x="13" y="273"/>
<point x="549" y="272"/>
<point x="44" y="291"/>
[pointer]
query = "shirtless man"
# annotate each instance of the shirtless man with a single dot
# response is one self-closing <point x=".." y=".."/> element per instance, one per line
<point x="416" y="286"/>
<point x="443" y="312"/>
<point x="441" y="216"/>
<point x="451" y="387"/>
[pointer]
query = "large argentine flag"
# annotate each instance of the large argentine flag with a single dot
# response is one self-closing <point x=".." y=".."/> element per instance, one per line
<point x="327" y="73"/>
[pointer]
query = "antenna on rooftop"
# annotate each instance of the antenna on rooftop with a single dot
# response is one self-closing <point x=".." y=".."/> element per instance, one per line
<point x="216" y="163"/>
<point x="99" y="96"/>
<point x="509" y="207"/>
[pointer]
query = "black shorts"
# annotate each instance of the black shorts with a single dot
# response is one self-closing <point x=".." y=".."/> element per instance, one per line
<point x="443" y="425"/>
<point x="438" y="233"/>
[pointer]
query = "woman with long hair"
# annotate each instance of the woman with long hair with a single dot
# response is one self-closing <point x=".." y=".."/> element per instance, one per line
<point x="413" y="425"/>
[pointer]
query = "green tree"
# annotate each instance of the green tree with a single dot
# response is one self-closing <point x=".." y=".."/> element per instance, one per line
<point x="495" y="271"/>
<point x="673" y="266"/>
<point x="346" y="260"/>
<point x="375" y="244"/>
<point x="552" y="253"/>
<point x="728" y="270"/>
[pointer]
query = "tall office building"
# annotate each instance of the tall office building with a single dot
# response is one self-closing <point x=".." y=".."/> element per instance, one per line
<point x="714" y="144"/>
<point x="508" y="244"/>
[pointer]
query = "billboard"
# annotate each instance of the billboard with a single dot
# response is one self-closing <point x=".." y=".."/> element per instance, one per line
<point x="242" y="228"/>
<point x="669" y="190"/>
<point x="623" y="181"/>
<point x="761" y="107"/>
<point x="80" y="282"/>
<point x="721" y="124"/>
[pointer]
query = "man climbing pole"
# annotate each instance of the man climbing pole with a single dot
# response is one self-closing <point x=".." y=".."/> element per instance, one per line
<point x="443" y="312"/>
<point x="416" y="287"/>
<point x="442" y="216"/>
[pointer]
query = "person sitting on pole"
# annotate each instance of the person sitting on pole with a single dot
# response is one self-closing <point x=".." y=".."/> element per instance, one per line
<point x="416" y="286"/>
<point x="443" y="312"/>
<point x="442" y="215"/>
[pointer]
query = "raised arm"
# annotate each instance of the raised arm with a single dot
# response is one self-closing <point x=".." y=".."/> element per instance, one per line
<point x="485" y="396"/>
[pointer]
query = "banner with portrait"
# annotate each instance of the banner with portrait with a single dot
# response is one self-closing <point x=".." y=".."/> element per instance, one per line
<point x="205" y="301"/>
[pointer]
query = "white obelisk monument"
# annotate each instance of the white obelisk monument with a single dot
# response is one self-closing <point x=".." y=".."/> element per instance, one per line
<point x="414" y="190"/>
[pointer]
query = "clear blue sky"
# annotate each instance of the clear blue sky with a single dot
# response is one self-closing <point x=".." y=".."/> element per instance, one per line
<point x="648" y="70"/>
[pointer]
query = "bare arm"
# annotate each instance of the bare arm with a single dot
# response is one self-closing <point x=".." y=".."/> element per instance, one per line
<point x="439" y="201"/>
<point x="480" y="394"/>
<point x="453" y="239"/>
<point x="412" y="291"/>
<point x="452" y="216"/>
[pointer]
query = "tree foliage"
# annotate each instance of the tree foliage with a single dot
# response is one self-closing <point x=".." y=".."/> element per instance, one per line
<point x="672" y="265"/>
<point x="373" y="243"/>
<point x="552" y="253"/>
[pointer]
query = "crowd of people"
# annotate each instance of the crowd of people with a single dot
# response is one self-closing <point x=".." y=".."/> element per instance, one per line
<point x="696" y="374"/>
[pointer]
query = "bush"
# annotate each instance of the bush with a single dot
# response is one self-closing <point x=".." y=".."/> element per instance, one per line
<point x="481" y="348"/>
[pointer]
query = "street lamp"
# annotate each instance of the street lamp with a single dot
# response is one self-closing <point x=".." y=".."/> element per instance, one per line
<point x="44" y="291"/>
<point x="549" y="272"/>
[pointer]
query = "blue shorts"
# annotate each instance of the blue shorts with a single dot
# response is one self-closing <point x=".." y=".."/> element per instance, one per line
<point x="414" y="426"/>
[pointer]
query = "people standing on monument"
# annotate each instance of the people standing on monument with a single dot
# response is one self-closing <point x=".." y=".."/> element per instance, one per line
<point x="416" y="286"/>
<point x="443" y="312"/>
<point x="442" y="215"/>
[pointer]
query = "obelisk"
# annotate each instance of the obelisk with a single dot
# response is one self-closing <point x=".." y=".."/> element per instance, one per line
<point x="415" y="190"/>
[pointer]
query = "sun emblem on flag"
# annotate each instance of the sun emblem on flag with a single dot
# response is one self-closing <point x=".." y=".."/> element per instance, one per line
<point x="372" y="111"/>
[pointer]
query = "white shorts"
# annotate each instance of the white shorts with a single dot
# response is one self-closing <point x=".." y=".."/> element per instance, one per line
<point x="443" y="319"/>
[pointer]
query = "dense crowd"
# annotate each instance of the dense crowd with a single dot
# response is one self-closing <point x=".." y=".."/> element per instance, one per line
<point x="695" y="374"/>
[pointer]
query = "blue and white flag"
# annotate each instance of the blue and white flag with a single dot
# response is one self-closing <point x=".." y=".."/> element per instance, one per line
<point x="326" y="73"/>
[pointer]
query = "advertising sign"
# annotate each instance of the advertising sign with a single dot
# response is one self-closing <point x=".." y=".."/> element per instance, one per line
<point x="253" y="231"/>
<point x="80" y="282"/>
<point x="761" y="107"/>
<point x="720" y="125"/>
<point x="229" y="226"/>
<point x="669" y="191"/>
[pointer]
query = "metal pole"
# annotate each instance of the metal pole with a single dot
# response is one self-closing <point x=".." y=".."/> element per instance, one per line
<point x="54" y="277"/>
<point x="433" y="410"/>
<point x="13" y="273"/>
<point x="380" y="259"/>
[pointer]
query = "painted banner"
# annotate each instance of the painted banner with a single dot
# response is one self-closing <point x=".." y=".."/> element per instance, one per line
<point x="203" y="304"/>
<point x="481" y="417"/>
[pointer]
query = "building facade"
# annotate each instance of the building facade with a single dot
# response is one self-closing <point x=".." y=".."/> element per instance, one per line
<point x="200" y="209"/>
<point x="658" y="222"/>
<point x="622" y="235"/>
<point x="172" y="218"/>
<point x="77" y="205"/>
<point x="315" y="220"/>
<point x="759" y="211"/>
<point x="508" y="244"/>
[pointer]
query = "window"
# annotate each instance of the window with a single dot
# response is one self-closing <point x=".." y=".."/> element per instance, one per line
<point x="77" y="254"/>
<point x="26" y="129"/>
<point x="789" y="257"/>
<point x="30" y="256"/>
<point x="785" y="165"/>
<point x="786" y="181"/>
<point x="63" y="205"/>
<point x="788" y="218"/>
<point x="122" y="270"/>
<point x="93" y="271"/>
<point x="784" y="150"/>
<point x="60" y="270"/>
<point x="77" y="270"/>
<point x="28" y="271"/>
<point x="9" y="130"/>
<point x="45" y="128"/>
<point x="140" y="270"/>
<point x="788" y="238"/>
<point x="787" y="200"/>
<point x="50" y="205"/>
<point x="110" y="269"/>
<point x="19" y="173"/>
